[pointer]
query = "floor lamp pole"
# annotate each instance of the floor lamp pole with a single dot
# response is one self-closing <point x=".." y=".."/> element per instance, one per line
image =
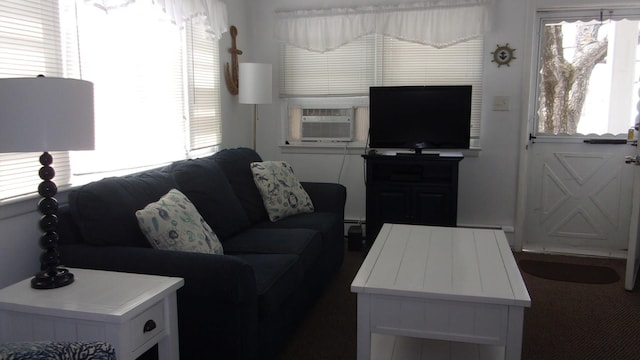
<point x="255" y="124"/>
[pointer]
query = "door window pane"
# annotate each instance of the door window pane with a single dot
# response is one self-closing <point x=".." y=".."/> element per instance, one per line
<point x="588" y="77"/>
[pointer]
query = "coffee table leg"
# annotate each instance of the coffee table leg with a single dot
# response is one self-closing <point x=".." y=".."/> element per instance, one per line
<point x="364" y="328"/>
<point x="513" y="348"/>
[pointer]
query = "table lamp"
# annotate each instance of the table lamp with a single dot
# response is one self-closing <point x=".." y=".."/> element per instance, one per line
<point x="47" y="114"/>
<point x="254" y="88"/>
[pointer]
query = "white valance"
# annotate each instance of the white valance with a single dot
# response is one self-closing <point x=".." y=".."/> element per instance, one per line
<point x="212" y="13"/>
<point x="439" y="23"/>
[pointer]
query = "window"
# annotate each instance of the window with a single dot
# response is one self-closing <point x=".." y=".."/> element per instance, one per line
<point x="405" y="63"/>
<point x="156" y="85"/>
<point x="588" y="73"/>
<point x="347" y="70"/>
<point x="28" y="32"/>
<point x="345" y="74"/>
<point x="204" y="88"/>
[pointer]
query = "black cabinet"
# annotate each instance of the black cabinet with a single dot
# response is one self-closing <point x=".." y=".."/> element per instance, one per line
<point x="411" y="189"/>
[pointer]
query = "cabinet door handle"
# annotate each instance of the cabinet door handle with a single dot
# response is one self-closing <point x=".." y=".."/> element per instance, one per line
<point x="149" y="326"/>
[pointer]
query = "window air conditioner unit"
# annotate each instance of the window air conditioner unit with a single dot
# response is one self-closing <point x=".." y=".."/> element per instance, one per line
<point x="334" y="124"/>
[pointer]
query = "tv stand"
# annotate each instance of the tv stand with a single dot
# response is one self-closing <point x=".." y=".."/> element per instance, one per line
<point x="409" y="188"/>
<point x="419" y="154"/>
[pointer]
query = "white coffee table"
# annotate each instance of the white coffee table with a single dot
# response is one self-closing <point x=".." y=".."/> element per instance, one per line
<point x="460" y="288"/>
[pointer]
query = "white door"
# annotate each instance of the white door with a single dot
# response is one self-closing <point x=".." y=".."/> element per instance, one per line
<point x="579" y="198"/>
<point x="579" y="191"/>
<point x="633" y="254"/>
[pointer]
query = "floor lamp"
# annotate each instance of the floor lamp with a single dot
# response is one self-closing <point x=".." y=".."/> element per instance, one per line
<point x="254" y="88"/>
<point x="47" y="114"/>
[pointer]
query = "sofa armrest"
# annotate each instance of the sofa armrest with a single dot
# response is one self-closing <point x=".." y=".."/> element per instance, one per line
<point x="329" y="197"/>
<point x="227" y="279"/>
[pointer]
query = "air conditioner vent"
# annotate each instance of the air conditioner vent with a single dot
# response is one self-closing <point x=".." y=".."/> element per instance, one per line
<point x="327" y="112"/>
<point x="334" y="124"/>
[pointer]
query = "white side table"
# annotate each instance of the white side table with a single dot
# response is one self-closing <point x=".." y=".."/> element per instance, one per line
<point x="132" y="312"/>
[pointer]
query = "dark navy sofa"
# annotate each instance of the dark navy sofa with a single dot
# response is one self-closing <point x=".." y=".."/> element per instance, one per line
<point x="241" y="305"/>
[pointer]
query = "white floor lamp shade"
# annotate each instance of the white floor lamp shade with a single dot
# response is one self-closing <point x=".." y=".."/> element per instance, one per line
<point x="47" y="114"/>
<point x="255" y="83"/>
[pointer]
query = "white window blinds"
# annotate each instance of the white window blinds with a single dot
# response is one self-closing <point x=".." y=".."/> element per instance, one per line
<point x="133" y="56"/>
<point x="156" y="83"/>
<point x="376" y="60"/>
<point x="405" y="63"/>
<point x="203" y="78"/>
<point x="348" y="69"/>
<point x="29" y="39"/>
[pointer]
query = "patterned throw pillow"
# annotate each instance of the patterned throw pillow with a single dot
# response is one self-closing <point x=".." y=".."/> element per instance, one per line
<point x="282" y="193"/>
<point x="173" y="223"/>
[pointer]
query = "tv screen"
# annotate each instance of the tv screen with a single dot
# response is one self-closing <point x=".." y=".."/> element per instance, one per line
<point x="420" y="117"/>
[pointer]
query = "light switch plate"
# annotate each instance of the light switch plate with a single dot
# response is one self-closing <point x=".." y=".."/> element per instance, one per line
<point x="501" y="103"/>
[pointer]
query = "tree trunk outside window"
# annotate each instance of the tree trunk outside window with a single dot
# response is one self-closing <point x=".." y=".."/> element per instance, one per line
<point x="564" y="83"/>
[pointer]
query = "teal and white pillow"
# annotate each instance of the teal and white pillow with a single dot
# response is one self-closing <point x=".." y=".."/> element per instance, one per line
<point x="173" y="223"/>
<point x="282" y="193"/>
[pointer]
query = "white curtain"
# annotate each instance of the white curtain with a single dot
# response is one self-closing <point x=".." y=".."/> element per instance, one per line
<point x="438" y="23"/>
<point x="212" y="13"/>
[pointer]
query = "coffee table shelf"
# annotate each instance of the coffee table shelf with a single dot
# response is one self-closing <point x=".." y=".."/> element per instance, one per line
<point x="390" y="347"/>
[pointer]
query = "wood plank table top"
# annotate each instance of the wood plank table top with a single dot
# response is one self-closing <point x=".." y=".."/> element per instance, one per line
<point x="460" y="264"/>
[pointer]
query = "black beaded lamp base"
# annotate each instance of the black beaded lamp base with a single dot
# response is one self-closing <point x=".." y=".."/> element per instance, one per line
<point x="51" y="275"/>
<point x="44" y="280"/>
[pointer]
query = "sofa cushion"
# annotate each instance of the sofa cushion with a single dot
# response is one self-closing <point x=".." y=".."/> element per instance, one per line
<point x="281" y="191"/>
<point x="305" y="243"/>
<point x="174" y="223"/>
<point x="204" y="183"/>
<point x="235" y="165"/>
<point x="277" y="276"/>
<point x="322" y="222"/>
<point x="105" y="210"/>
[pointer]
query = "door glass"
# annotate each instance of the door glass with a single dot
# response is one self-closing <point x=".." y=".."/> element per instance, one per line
<point x="588" y="77"/>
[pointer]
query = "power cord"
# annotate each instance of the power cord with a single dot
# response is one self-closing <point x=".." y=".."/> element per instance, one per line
<point x="344" y="156"/>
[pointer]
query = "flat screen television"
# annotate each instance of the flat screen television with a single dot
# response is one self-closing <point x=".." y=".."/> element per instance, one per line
<point x="420" y="117"/>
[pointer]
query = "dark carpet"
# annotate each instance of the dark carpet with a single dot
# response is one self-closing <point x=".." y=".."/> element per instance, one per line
<point x="586" y="274"/>
<point x="567" y="320"/>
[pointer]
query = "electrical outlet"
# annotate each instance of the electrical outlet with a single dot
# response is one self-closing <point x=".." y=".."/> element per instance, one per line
<point x="501" y="103"/>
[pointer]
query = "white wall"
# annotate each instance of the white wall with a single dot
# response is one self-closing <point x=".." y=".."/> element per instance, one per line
<point x="236" y="118"/>
<point x="488" y="183"/>
<point x="19" y="239"/>
<point x="487" y="188"/>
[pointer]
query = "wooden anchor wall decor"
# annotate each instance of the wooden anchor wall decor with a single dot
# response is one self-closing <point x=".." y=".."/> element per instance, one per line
<point x="231" y="75"/>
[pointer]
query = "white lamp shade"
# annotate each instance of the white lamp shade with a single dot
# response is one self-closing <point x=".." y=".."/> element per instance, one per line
<point x="46" y="114"/>
<point x="254" y="83"/>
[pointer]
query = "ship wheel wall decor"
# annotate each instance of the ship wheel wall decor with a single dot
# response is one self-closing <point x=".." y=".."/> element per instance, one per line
<point x="503" y="55"/>
<point x="231" y="73"/>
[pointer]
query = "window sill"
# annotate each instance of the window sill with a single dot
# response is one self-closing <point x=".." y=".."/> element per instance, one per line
<point x="340" y="148"/>
<point x="355" y="148"/>
<point x="27" y="204"/>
